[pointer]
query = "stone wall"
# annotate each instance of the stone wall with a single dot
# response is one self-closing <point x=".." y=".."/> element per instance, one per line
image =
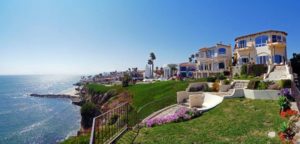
<point x="261" y="94"/>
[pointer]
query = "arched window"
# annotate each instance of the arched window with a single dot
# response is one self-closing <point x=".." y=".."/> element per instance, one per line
<point x="222" y="51"/>
<point x="261" y="41"/>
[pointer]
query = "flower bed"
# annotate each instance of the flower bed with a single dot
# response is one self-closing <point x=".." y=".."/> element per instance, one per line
<point x="288" y="129"/>
<point x="181" y="114"/>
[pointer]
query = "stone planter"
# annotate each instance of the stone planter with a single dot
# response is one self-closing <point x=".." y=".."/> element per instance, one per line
<point x="261" y="94"/>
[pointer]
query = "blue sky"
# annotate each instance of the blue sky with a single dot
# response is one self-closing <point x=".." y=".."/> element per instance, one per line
<point x="92" y="36"/>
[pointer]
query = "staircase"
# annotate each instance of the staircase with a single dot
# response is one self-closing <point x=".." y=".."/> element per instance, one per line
<point x="280" y="72"/>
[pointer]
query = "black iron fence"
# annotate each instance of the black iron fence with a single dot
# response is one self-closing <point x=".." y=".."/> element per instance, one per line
<point x="110" y="125"/>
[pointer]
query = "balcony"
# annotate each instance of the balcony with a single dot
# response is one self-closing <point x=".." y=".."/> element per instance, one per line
<point x="277" y="44"/>
<point x="248" y="48"/>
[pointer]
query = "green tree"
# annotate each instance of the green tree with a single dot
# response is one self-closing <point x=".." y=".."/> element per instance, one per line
<point x="126" y="79"/>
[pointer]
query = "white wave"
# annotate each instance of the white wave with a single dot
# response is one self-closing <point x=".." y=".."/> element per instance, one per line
<point x="5" y="112"/>
<point x="33" y="126"/>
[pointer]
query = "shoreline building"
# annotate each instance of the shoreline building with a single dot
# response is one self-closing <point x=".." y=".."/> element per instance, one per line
<point x="213" y="60"/>
<point x="187" y="69"/>
<point x="266" y="47"/>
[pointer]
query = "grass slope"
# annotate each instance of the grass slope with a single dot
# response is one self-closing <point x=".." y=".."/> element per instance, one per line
<point x="233" y="121"/>
<point x="148" y="98"/>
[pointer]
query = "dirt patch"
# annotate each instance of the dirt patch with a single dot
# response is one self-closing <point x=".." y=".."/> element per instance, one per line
<point x="123" y="97"/>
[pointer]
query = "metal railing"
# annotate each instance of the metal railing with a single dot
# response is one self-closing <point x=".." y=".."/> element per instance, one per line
<point x="110" y="125"/>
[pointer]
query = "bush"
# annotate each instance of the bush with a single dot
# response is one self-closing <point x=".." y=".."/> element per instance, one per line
<point x="208" y="89"/>
<point x="226" y="82"/>
<point x="215" y="86"/>
<point x="197" y="87"/>
<point x="236" y="75"/>
<point x="244" y="69"/>
<point x="220" y="77"/>
<point x="257" y="69"/>
<point x="253" y="84"/>
<point x="211" y="79"/>
<point x="226" y="73"/>
<point x="88" y="111"/>
<point x="285" y="83"/>
<point x="262" y="85"/>
<point x="125" y="80"/>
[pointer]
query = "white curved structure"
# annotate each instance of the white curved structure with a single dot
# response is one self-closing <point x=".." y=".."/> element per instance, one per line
<point x="210" y="101"/>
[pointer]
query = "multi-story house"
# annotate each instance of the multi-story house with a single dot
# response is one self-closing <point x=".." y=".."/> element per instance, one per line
<point x="213" y="60"/>
<point x="267" y="47"/>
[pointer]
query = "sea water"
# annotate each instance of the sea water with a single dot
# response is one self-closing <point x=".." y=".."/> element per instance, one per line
<point x="25" y="119"/>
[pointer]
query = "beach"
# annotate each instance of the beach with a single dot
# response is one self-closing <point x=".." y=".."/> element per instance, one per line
<point x="70" y="91"/>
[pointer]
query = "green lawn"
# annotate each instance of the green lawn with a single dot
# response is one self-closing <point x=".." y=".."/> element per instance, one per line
<point x="233" y="121"/>
<point x="148" y="98"/>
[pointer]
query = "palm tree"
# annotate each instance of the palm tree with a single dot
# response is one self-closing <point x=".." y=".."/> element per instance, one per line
<point x="192" y="56"/>
<point x="152" y="58"/>
<point x="190" y="59"/>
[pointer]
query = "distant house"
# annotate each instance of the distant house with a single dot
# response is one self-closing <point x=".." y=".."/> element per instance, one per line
<point x="187" y="69"/>
<point x="213" y="60"/>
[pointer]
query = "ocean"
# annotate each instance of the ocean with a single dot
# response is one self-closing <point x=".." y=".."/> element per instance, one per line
<point x="32" y="120"/>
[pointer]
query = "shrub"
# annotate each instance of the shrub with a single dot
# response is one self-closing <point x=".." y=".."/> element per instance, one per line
<point x="285" y="83"/>
<point x="88" y="112"/>
<point x="226" y="73"/>
<point x="257" y="69"/>
<point x="244" y="69"/>
<point x="125" y="80"/>
<point x="236" y="75"/>
<point x="215" y="87"/>
<point x="208" y="89"/>
<point x="253" y="84"/>
<point x="211" y="79"/>
<point x="198" y="87"/>
<point x="226" y="82"/>
<point x="283" y="103"/>
<point x="262" y="85"/>
<point x="220" y="77"/>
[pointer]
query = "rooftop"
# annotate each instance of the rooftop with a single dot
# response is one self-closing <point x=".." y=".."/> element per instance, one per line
<point x="258" y="33"/>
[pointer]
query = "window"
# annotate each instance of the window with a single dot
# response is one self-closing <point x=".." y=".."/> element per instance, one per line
<point x="261" y="41"/>
<point x="222" y="51"/>
<point x="182" y="68"/>
<point x="210" y="53"/>
<point x="242" y="43"/>
<point x="262" y="59"/>
<point x="278" y="38"/>
<point x="245" y="60"/>
<point x="221" y="65"/>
